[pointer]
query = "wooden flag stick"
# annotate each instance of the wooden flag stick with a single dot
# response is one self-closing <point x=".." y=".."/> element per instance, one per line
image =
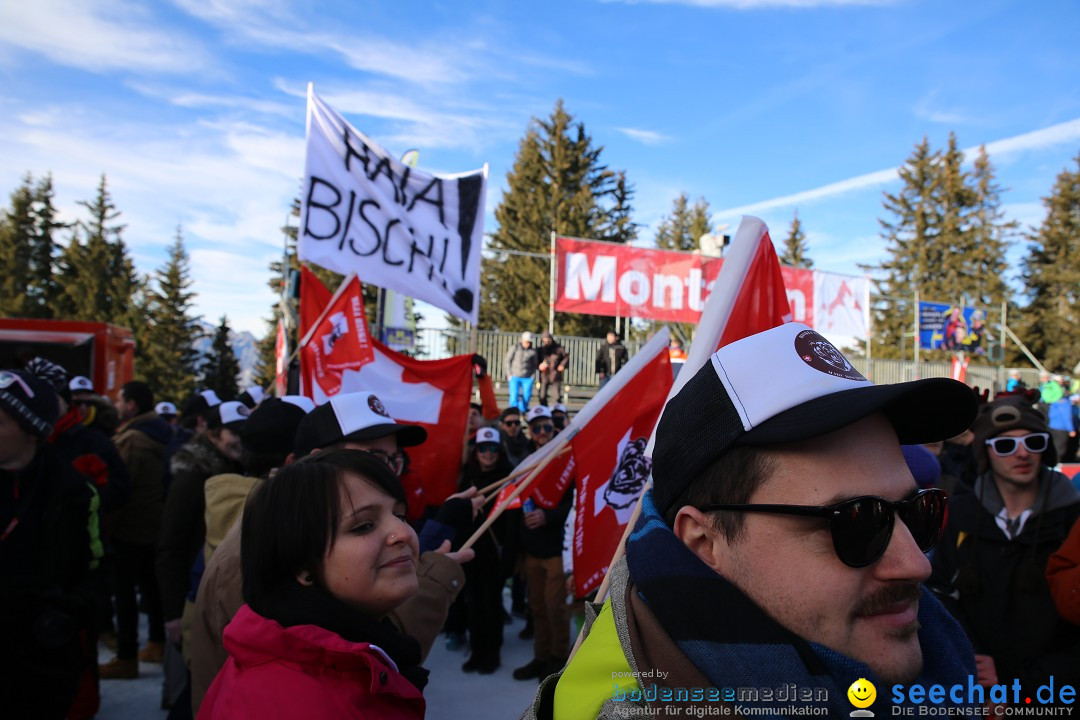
<point x="620" y="550"/>
<point x="520" y="488"/>
<point x="518" y="472"/>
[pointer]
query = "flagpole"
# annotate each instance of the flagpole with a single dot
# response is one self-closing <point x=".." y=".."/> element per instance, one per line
<point x="551" y="288"/>
<point x="518" y="472"/>
<point x="501" y="507"/>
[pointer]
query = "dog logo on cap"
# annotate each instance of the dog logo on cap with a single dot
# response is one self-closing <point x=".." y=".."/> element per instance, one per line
<point x="376" y="406"/>
<point x="822" y="355"/>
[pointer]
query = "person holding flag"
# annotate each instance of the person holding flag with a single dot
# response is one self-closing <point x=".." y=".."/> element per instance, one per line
<point x="790" y="506"/>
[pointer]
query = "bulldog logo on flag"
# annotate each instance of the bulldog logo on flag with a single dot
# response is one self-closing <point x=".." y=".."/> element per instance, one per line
<point x="624" y="487"/>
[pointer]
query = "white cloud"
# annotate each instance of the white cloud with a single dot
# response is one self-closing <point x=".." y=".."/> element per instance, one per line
<point x="272" y="25"/>
<point x="927" y="108"/>
<point x="102" y="36"/>
<point x="1066" y="132"/>
<point x="228" y="184"/>
<point x="646" y="137"/>
<point x="418" y="125"/>
<point x="195" y="100"/>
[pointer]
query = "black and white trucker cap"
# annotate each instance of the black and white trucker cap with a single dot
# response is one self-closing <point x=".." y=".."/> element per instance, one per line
<point x="783" y="385"/>
<point x="352" y="416"/>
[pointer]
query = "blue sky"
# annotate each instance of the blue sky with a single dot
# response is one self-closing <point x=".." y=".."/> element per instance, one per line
<point x="195" y="108"/>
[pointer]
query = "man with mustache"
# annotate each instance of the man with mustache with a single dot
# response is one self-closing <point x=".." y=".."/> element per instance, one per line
<point x="990" y="566"/>
<point x="781" y="547"/>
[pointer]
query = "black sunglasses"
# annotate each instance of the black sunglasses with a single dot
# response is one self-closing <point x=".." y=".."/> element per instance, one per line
<point x="1033" y="443"/>
<point x="512" y="423"/>
<point x="546" y="427"/>
<point x="862" y="527"/>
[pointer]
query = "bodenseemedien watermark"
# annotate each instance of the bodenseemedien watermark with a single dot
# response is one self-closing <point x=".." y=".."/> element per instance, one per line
<point x="787" y="700"/>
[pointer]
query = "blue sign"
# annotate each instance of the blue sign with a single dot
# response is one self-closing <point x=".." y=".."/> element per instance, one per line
<point x="952" y="327"/>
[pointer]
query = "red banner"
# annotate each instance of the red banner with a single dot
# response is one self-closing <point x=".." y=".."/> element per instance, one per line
<point x="600" y="278"/>
<point x="336" y="343"/>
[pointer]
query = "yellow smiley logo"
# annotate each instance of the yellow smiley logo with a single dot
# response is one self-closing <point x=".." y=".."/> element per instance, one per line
<point x="862" y="693"/>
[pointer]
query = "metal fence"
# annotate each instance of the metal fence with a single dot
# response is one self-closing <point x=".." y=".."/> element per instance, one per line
<point x="433" y="344"/>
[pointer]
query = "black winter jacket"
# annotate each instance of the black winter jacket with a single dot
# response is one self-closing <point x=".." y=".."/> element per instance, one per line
<point x="996" y="587"/>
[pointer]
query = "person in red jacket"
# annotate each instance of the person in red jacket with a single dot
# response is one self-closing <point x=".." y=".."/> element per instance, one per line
<point x="1063" y="576"/>
<point x="327" y="556"/>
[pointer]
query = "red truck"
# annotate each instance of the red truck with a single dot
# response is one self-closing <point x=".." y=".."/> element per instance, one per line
<point x="102" y="352"/>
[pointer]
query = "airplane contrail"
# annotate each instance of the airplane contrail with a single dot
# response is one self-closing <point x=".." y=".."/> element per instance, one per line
<point x="1053" y="135"/>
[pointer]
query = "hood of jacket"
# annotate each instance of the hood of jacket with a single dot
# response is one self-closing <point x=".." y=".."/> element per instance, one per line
<point x="150" y="425"/>
<point x="225" y="497"/>
<point x="1055" y="491"/>
<point x="200" y="456"/>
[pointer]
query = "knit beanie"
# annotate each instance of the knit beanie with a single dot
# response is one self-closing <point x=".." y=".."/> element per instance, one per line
<point x="30" y="401"/>
<point x="51" y="373"/>
<point x="923" y="464"/>
<point x="1011" y="412"/>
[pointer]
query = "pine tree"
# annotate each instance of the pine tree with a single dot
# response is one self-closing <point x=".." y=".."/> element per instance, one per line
<point x="265" y="368"/>
<point x="557" y="184"/>
<point x="167" y="358"/>
<point x="43" y="290"/>
<point x="990" y="238"/>
<point x="221" y="368"/>
<point x="98" y="278"/>
<point x="16" y="249"/>
<point x="794" y="252"/>
<point x="673" y="232"/>
<point x="618" y="226"/>
<point x="683" y="228"/>
<point x="946" y="241"/>
<point x="1051" y="273"/>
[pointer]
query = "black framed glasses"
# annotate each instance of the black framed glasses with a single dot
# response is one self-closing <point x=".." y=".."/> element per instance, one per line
<point x="395" y="462"/>
<point x="862" y="527"/>
<point x="1033" y="443"/>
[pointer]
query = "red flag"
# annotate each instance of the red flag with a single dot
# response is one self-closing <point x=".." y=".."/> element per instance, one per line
<point x="959" y="367"/>
<point x="337" y="342"/>
<point x="749" y="297"/>
<point x="281" y="359"/>
<point x="433" y="394"/>
<point x="760" y="299"/>
<point x="314" y="297"/>
<point x="611" y="467"/>
<point x="607" y="459"/>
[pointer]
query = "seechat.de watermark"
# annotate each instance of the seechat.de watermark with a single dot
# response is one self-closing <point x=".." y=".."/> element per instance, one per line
<point x="1001" y="700"/>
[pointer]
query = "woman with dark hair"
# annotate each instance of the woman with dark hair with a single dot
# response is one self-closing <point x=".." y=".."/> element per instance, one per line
<point x="327" y="558"/>
<point x="484" y="576"/>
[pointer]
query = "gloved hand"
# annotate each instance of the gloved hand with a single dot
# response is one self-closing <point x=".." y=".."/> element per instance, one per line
<point x="479" y="365"/>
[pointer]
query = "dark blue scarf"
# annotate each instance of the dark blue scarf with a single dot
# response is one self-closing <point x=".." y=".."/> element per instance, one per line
<point x="737" y="645"/>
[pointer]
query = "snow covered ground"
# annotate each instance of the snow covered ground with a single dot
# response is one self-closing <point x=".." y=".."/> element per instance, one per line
<point x="450" y="694"/>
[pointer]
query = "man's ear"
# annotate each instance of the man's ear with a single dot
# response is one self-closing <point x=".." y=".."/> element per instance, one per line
<point x="695" y="529"/>
<point x="305" y="578"/>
